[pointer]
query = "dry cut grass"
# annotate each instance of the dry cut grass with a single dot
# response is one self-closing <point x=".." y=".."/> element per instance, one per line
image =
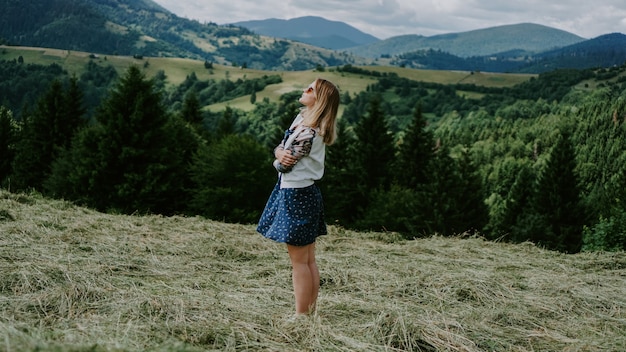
<point x="72" y="279"/>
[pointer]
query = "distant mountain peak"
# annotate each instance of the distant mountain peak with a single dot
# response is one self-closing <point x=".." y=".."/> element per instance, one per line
<point x="312" y="30"/>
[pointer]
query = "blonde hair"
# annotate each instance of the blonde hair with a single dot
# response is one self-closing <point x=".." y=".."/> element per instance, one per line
<point x="323" y="114"/>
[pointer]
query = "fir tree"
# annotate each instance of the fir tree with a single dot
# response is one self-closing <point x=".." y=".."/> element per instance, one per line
<point x="191" y="111"/>
<point x="338" y="185"/>
<point x="470" y="213"/>
<point x="518" y="204"/>
<point x="226" y="123"/>
<point x="373" y="157"/>
<point x="401" y="208"/>
<point x="558" y="200"/>
<point x="72" y="117"/>
<point x="184" y="143"/>
<point x="126" y="162"/>
<point x="375" y="148"/>
<point x="38" y="141"/>
<point x="415" y="153"/>
<point x="135" y="146"/>
<point x="437" y="199"/>
<point x="8" y="138"/>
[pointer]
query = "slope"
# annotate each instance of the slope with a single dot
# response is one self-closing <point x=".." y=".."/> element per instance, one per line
<point x="141" y="27"/>
<point x="524" y="36"/>
<point x="74" y="279"/>
<point x="312" y="30"/>
<point x="607" y="50"/>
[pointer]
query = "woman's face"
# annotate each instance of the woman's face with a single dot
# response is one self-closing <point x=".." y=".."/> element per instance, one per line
<point x="308" y="95"/>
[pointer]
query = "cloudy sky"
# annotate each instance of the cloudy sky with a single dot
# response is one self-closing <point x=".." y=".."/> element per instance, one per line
<point x="387" y="18"/>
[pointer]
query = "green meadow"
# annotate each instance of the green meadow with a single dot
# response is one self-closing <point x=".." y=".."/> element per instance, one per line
<point x="72" y="279"/>
<point x="177" y="69"/>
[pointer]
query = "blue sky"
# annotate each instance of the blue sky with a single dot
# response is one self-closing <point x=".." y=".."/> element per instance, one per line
<point x="387" y="18"/>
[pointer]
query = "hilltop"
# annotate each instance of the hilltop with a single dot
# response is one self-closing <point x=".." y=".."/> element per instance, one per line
<point x="75" y="279"/>
<point x="529" y="37"/>
<point x="313" y="30"/>
<point x="145" y="29"/>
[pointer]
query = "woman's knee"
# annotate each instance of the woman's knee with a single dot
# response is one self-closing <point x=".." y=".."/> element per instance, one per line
<point x="298" y="254"/>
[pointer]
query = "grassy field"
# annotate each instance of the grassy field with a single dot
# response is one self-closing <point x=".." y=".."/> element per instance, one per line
<point x="72" y="279"/>
<point x="177" y="70"/>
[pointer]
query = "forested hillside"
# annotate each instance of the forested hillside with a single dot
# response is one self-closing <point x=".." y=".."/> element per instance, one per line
<point x="143" y="28"/>
<point x="542" y="161"/>
<point x="528" y="37"/>
<point x="604" y="51"/>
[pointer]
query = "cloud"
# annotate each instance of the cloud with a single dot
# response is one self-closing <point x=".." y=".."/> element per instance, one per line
<point x="386" y="18"/>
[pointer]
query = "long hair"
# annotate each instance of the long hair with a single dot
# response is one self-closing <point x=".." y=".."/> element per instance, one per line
<point x="323" y="114"/>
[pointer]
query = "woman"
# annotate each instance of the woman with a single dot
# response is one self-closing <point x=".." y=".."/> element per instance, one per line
<point x="294" y="213"/>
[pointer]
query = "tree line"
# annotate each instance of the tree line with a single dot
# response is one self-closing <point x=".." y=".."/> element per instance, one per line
<point x="411" y="157"/>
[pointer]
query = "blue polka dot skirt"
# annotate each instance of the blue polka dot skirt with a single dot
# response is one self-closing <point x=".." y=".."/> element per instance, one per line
<point x="293" y="215"/>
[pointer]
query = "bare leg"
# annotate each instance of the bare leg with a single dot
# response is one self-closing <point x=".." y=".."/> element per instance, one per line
<point x="315" y="277"/>
<point x="305" y="276"/>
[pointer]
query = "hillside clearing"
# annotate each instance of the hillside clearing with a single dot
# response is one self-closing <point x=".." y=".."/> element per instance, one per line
<point x="75" y="279"/>
<point x="177" y="69"/>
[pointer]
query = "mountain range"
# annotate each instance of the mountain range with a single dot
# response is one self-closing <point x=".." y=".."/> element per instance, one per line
<point x="528" y="37"/>
<point x="142" y="27"/>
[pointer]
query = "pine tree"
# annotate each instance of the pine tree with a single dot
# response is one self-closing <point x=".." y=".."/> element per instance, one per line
<point x="415" y="153"/>
<point x="191" y="111"/>
<point x="226" y="123"/>
<point x="437" y="198"/>
<point x="38" y="140"/>
<point x="72" y="117"/>
<point x="401" y="208"/>
<point x="184" y="143"/>
<point x="129" y="160"/>
<point x="558" y="200"/>
<point x="517" y="206"/>
<point x="338" y="185"/>
<point x="374" y="155"/>
<point x="375" y="148"/>
<point x="8" y="138"/>
<point x="135" y="146"/>
<point x="470" y="212"/>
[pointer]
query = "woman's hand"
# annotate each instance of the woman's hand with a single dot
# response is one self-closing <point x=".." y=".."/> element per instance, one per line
<point x="284" y="157"/>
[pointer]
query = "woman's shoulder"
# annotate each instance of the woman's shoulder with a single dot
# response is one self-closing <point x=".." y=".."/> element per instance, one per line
<point x="297" y="120"/>
<point x="307" y="132"/>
